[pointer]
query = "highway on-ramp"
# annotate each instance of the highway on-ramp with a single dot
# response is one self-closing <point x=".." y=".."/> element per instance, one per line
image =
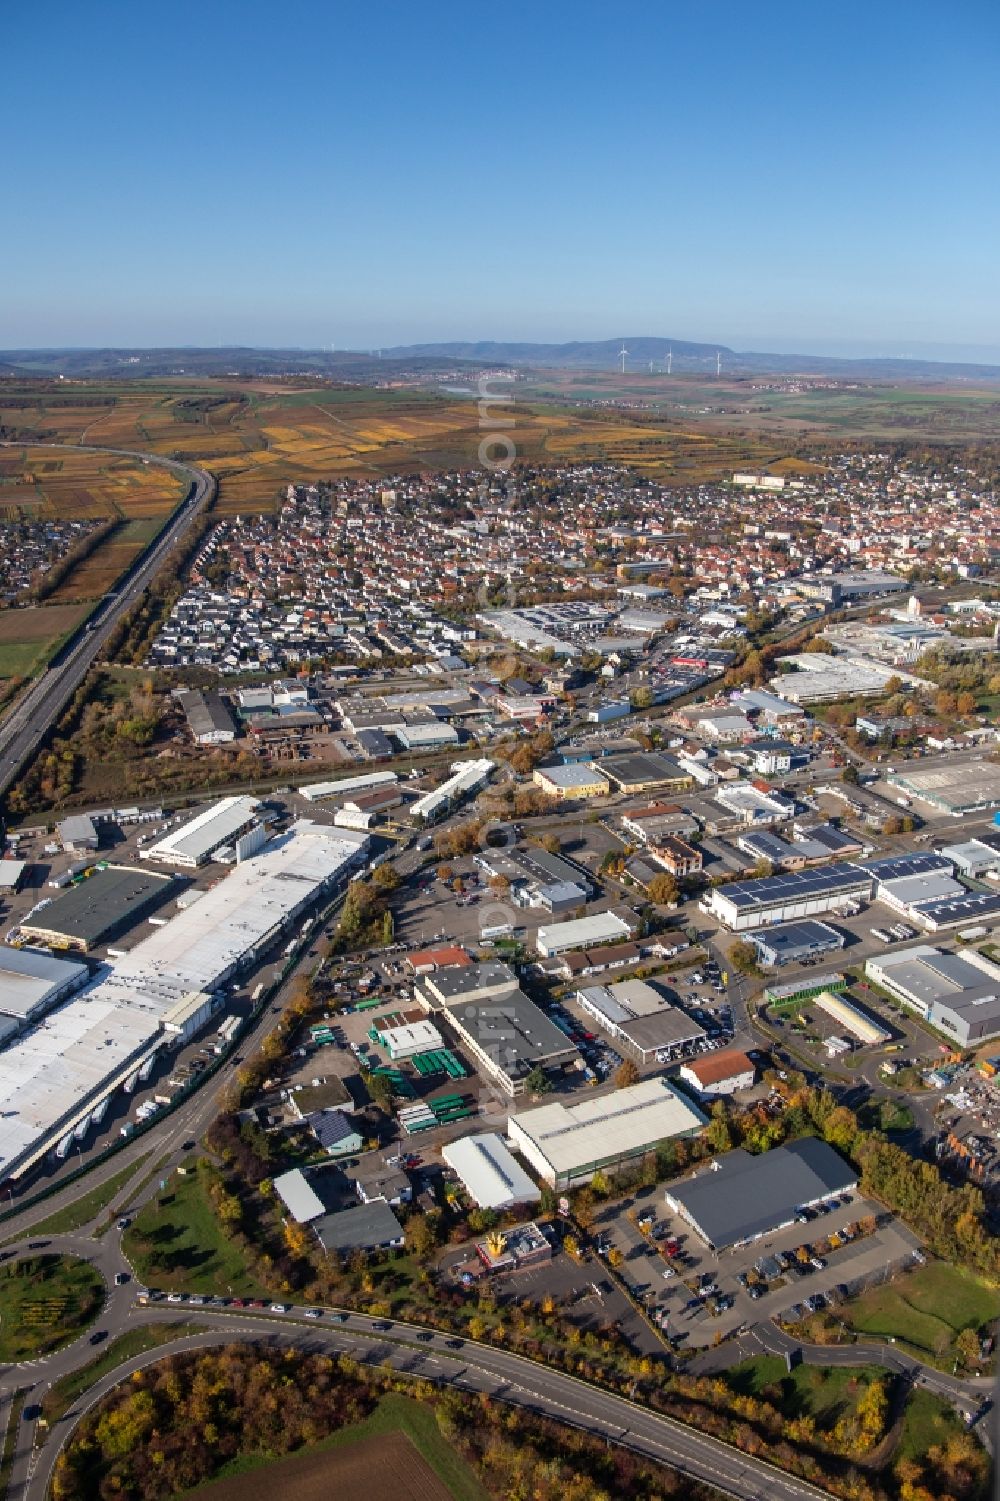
<point x="36" y="710"/>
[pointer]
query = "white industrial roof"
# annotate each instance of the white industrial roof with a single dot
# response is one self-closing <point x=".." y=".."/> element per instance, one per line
<point x="464" y="776"/>
<point x="28" y="977"/>
<point x="315" y="792"/>
<point x="11" y="872"/>
<point x="570" y="1136"/>
<point x="582" y="932"/>
<point x="54" y="1069"/>
<point x="202" y="835"/>
<point x="490" y="1172"/>
<point x="575" y="774"/>
<point x="302" y="1201"/>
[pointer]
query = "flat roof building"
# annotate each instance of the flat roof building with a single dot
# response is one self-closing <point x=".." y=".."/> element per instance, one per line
<point x="99" y="908"/>
<point x="579" y="779"/>
<point x="568" y="1144"/>
<point x="581" y="933"/>
<point x="491" y="1174"/>
<point x="644" y="771"/>
<point x="32" y="982"/>
<point x="957" y="992"/>
<point x="638" y="1015"/>
<point x="953" y="787"/>
<point x="209" y="721"/>
<point x="301" y="1201"/>
<point x="196" y="841"/>
<point x="852" y="1018"/>
<point x="743" y="905"/>
<point x="55" y="1074"/>
<point x="509" y="1036"/>
<point x="795" y="943"/>
<point x="78" y="832"/>
<point x="740" y="1197"/>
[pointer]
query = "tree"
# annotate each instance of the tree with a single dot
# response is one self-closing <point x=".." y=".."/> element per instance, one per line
<point x="538" y="1080"/>
<point x="662" y="889"/>
<point x="626" y="1074"/>
<point x="850" y="774"/>
<point x="386" y="877"/>
<point x="388" y="928"/>
<point x="965" y="704"/>
<point x="720" y="1132"/>
<point x="642" y="697"/>
<point x="743" y="957"/>
<point x="968" y="1346"/>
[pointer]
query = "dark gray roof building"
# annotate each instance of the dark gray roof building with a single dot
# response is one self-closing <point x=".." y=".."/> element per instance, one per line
<point x="366" y="1227"/>
<point x="97" y="909"/>
<point x="746" y="1197"/>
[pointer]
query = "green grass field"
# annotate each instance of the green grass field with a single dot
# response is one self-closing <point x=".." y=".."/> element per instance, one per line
<point x="176" y="1243"/>
<point x="45" y="1301"/>
<point x="925" y="1309"/>
<point x="926" y="1421"/>
<point x="823" y="1392"/>
<point x="395" y="1413"/>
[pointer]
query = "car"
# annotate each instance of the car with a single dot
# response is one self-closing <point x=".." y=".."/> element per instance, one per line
<point x="818" y="1262"/>
<point x="756" y="1291"/>
<point x="667" y="1273"/>
<point x="98" y="1337"/>
<point x="455" y="1344"/>
<point x="189" y="1146"/>
<point x="198" y="1299"/>
<point x="339" y="1318"/>
<point x="314" y="1313"/>
<point x="381" y="1324"/>
<point x="280" y="1308"/>
<point x="425" y="1336"/>
<point x="30" y="1411"/>
<point x="175" y="1297"/>
<point x="123" y="1222"/>
<point x="256" y="1303"/>
<point x="239" y="1302"/>
<point x="121" y="1278"/>
<point x="37" y="1245"/>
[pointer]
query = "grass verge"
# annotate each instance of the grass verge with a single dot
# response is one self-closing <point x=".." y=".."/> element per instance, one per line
<point x="84" y="1209"/>
<point x="175" y="1242"/>
<point x="925" y="1310"/>
<point x="60" y="1397"/>
<point x="45" y="1301"/>
<point x="10" y="1442"/>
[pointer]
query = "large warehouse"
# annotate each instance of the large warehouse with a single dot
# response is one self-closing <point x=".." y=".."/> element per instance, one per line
<point x="31" y="982"/>
<point x="958" y="993"/>
<point x="55" y="1074"/>
<point x="951" y="786"/>
<point x="743" y="905"/>
<point x="509" y="1036"/>
<point x="492" y="1175"/>
<point x="99" y="907"/>
<point x="740" y="1197"/>
<point x="581" y="933"/>
<point x="203" y="836"/>
<point x="645" y="770"/>
<point x="640" y="1017"/>
<point x="568" y="1144"/>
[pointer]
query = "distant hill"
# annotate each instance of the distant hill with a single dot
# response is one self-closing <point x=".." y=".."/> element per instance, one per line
<point x="459" y="357"/>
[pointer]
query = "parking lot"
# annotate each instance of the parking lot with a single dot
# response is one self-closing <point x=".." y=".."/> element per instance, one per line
<point x="698" y="1294"/>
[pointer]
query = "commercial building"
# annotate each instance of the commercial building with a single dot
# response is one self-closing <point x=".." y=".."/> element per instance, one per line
<point x="923" y="889"/>
<point x="53" y="1077"/>
<point x="462" y="981"/>
<point x="335" y="1133"/>
<point x="78" y="832"/>
<point x="951" y="786"/>
<point x="302" y="1203"/>
<point x="740" y="1197"/>
<point x="792" y="996"/>
<point x="344" y="787"/>
<point x="491" y="1175"/>
<point x="852" y="1018"/>
<point x="364" y="1227"/>
<point x="509" y="1036"/>
<point x="466" y="778"/>
<point x="405" y="1038"/>
<point x="638" y="1015"/>
<point x="973" y="858"/>
<point x="577" y="780"/>
<point x="677" y="856"/>
<point x="568" y="1144"/>
<point x="31" y="982"/>
<point x="646" y="770"/>
<point x="743" y="905"/>
<point x="209" y="721"/>
<point x="719" y="1073"/>
<point x="959" y="993"/>
<point x="11" y="876"/>
<point x="203" y="836"/>
<point x="840" y="588"/>
<point x="795" y="943"/>
<point x="98" y="908"/>
<point x="581" y="933"/>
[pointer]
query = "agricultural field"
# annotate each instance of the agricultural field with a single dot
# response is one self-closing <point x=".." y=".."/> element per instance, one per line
<point x="28" y="638"/>
<point x="393" y="1456"/>
<point x="39" y="483"/>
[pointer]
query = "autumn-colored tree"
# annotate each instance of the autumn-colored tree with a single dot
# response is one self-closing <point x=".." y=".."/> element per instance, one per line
<point x="626" y="1074"/>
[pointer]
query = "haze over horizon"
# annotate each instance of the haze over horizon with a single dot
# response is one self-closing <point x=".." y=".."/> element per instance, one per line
<point x="776" y="181"/>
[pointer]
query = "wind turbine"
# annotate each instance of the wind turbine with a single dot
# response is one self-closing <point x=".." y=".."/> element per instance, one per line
<point x="718" y="362"/>
<point x="621" y="355"/>
<point x="670" y="359"/>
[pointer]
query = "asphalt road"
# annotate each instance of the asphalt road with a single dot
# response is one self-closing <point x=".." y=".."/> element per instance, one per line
<point x="422" y="1354"/>
<point x="34" y="712"/>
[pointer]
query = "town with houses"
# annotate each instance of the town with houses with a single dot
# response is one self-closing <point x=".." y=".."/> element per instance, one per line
<point x="607" y="824"/>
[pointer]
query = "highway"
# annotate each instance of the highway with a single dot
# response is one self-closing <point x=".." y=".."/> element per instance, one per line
<point x="36" y="710"/>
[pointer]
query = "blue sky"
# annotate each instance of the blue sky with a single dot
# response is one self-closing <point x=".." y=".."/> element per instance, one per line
<point x="781" y="176"/>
